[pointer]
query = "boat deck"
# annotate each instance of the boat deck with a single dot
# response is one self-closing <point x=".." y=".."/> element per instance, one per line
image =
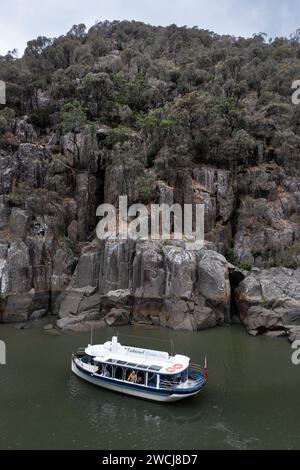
<point x="142" y="359"/>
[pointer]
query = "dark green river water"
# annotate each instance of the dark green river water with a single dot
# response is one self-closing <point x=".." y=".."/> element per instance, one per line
<point x="252" y="400"/>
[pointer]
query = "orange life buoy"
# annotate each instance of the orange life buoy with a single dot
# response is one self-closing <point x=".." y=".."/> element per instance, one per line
<point x="178" y="366"/>
<point x="171" y="369"/>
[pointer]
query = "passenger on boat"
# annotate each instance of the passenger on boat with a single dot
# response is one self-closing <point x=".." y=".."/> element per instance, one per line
<point x="139" y="380"/>
<point x="106" y="373"/>
<point x="132" y="377"/>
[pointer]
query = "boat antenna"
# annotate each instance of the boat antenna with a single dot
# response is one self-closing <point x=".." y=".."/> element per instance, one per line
<point x="91" y="333"/>
<point x="172" y="347"/>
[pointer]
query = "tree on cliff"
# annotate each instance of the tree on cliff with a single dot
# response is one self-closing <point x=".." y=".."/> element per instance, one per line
<point x="193" y="96"/>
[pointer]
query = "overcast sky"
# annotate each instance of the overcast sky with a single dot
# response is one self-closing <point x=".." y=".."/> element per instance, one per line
<point x="22" y="20"/>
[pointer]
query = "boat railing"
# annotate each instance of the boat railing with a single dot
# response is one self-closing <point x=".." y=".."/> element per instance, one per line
<point x="196" y="367"/>
<point x="196" y="374"/>
<point x="79" y="351"/>
<point x="168" y="385"/>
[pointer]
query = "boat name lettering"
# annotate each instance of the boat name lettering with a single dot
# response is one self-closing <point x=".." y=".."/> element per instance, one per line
<point x="135" y="351"/>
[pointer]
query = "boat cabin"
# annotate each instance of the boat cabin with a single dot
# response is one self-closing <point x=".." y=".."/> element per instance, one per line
<point x="144" y="367"/>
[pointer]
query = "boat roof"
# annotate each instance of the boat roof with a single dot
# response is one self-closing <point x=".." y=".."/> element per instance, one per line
<point x="151" y="360"/>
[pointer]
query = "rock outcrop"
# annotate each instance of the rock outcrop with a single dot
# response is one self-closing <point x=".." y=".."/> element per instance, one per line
<point x="269" y="302"/>
<point x="149" y="282"/>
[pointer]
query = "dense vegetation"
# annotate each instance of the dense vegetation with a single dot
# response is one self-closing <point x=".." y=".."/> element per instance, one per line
<point x="185" y="96"/>
<point x="194" y="95"/>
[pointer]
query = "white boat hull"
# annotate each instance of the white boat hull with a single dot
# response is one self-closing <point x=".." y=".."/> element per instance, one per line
<point x="128" y="391"/>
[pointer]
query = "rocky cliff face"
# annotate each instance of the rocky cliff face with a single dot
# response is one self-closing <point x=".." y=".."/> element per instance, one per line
<point x="51" y="261"/>
<point x="269" y="302"/>
<point x="151" y="283"/>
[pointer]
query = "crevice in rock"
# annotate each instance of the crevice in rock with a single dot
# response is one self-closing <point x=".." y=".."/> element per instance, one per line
<point x="1" y="309"/>
<point x="235" y="216"/>
<point x="98" y="197"/>
<point x="100" y="175"/>
<point x="235" y="278"/>
<point x="261" y="330"/>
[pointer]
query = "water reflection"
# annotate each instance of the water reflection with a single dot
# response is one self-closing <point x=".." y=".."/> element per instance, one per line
<point x="112" y="408"/>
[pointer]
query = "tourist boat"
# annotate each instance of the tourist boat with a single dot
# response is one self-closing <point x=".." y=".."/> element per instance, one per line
<point x="143" y="373"/>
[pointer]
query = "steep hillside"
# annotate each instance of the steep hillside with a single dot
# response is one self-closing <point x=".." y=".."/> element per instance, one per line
<point x="172" y="115"/>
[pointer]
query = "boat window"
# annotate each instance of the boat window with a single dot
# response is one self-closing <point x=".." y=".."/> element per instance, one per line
<point x="121" y="362"/>
<point x="166" y="378"/>
<point x="166" y="381"/>
<point x="87" y="359"/>
<point x="100" y="368"/>
<point x="108" y="371"/>
<point x="140" y="377"/>
<point x="170" y="378"/>
<point x="184" y="375"/>
<point x="152" y="380"/>
<point x="119" y="373"/>
<point x="176" y="377"/>
<point x="127" y="374"/>
<point x="142" y="366"/>
<point x="156" y="368"/>
<point x="131" y="375"/>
